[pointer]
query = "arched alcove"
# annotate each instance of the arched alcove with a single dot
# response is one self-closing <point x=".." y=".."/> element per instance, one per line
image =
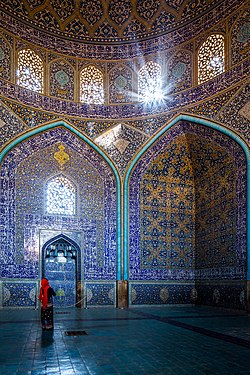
<point x="192" y="172"/>
<point x="27" y="164"/>
<point x="61" y="264"/>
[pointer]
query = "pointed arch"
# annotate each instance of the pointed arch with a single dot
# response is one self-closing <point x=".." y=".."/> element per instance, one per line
<point x="32" y="132"/>
<point x="67" y="239"/>
<point x="195" y="120"/>
<point x="120" y="84"/>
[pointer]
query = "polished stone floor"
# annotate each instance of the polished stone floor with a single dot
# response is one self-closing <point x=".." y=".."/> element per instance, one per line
<point x="174" y="340"/>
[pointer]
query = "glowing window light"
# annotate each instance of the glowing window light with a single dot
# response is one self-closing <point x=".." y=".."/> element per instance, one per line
<point x="211" y="58"/>
<point x="91" y="85"/>
<point x="30" y="72"/>
<point x="150" y="82"/>
<point x="61" y="196"/>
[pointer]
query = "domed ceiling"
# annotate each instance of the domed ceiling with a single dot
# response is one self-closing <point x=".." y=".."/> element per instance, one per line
<point x="107" y="20"/>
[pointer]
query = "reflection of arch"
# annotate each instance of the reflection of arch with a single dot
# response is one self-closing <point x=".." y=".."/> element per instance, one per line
<point x="41" y="129"/>
<point x="140" y="154"/>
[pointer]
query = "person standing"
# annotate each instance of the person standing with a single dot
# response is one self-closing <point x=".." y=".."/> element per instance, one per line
<point x="46" y="298"/>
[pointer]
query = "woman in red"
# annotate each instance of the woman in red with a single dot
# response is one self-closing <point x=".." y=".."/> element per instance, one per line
<point x="46" y="298"/>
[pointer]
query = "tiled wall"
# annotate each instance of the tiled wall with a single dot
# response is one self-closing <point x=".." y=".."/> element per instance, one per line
<point x="191" y="174"/>
<point x="188" y="215"/>
<point x="26" y="226"/>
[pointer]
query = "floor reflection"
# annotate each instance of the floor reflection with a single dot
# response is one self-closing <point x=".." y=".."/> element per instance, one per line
<point x="47" y="338"/>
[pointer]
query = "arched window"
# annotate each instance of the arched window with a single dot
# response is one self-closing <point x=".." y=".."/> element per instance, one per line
<point x="150" y="82"/>
<point x="30" y="70"/>
<point x="60" y="196"/>
<point x="91" y="85"/>
<point x="211" y="58"/>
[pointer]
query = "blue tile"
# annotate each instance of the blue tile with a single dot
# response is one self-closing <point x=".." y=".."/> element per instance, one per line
<point x="168" y="340"/>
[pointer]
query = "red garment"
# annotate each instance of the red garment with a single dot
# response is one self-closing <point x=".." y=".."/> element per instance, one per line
<point x="43" y="295"/>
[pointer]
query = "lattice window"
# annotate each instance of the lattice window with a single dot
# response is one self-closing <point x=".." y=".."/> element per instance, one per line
<point x="150" y="82"/>
<point x="211" y="58"/>
<point x="91" y="85"/>
<point x="30" y="70"/>
<point x="60" y="196"/>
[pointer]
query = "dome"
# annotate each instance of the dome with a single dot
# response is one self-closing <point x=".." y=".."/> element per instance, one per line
<point x="107" y="21"/>
<point x="112" y="22"/>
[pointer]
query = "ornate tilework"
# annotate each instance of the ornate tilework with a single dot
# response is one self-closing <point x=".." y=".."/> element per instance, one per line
<point x="162" y="218"/>
<point x="167" y="210"/>
<point x="19" y="294"/>
<point x="121" y="143"/>
<point x="61" y="80"/>
<point x="120" y="12"/>
<point x="30" y="116"/>
<point x="230" y="114"/>
<point x="227" y="295"/>
<point x="164" y="209"/>
<point x="10" y="125"/>
<point x="25" y="216"/>
<point x="5" y="59"/>
<point x="180" y="71"/>
<point x="179" y="100"/>
<point x="120" y="87"/>
<point x="209" y="14"/>
<point x="240" y="37"/>
<point x="100" y="294"/>
<point x="160" y="294"/>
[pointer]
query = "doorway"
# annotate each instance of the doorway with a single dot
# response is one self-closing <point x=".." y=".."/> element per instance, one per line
<point x="60" y="265"/>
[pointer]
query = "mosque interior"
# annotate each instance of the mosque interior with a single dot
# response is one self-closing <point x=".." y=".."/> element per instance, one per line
<point x="124" y="152"/>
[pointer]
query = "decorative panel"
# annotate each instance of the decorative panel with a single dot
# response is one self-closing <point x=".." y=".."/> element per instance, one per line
<point x="19" y="294"/>
<point x="100" y="294"/>
<point x="231" y="295"/>
<point x="161" y="294"/>
<point x="120" y="85"/>
<point x="179" y="71"/>
<point x="240" y="37"/>
<point x="61" y="80"/>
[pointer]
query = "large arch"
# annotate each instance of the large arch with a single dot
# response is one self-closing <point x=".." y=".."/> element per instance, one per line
<point x="35" y="131"/>
<point x="194" y="120"/>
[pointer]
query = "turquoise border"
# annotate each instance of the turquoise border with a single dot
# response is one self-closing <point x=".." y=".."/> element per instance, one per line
<point x="196" y="120"/>
<point x="41" y="129"/>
